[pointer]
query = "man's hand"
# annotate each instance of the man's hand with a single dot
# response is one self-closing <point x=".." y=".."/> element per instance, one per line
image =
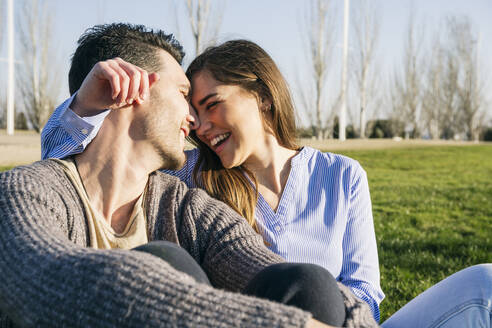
<point x="316" y="324"/>
<point x="112" y="84"/>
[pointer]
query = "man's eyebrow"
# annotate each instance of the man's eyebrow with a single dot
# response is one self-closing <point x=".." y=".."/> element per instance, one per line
<point x="204" y="99"/>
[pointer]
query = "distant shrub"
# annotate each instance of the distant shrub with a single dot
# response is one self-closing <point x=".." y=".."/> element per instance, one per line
<point x="380" y="129"/>
<point x="350" y="132"/>
<point x="21" y="121"/>
<point x="308" y="132"/>
<point x="486" y="134"/>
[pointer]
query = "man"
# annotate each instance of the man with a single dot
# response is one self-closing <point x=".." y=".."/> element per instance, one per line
<point x="67" y="226"/>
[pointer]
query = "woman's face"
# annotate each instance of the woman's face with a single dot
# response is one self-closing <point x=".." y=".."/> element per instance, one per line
<point x="230" y="118"/>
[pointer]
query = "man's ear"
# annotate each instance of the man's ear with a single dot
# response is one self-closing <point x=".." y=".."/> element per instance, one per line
<point x="153" y="78"/>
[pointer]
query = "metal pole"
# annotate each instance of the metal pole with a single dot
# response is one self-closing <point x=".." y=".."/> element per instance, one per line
<point x="476" y="134"/>
<point x="343" y="108"/>
<point x="11" y="85"/>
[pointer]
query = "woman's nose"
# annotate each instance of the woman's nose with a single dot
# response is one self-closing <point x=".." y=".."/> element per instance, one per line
<point x="203" y="128"/>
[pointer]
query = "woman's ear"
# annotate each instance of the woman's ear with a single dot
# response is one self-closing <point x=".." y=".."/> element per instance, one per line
<point x="266" y="104"/>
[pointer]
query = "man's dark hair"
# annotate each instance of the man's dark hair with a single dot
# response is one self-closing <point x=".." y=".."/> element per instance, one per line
<point x="135" y="44"/>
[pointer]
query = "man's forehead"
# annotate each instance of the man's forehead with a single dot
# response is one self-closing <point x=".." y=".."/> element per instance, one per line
<point x="171" y="68"/>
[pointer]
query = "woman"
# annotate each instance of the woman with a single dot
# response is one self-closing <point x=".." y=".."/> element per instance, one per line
<point x="308" y="206"/>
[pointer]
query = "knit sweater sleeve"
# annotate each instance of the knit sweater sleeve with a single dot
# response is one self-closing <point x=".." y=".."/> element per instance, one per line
<point x="47" y="280"/>
<point x="224" y="244"/>
<point x="358" y="314"/>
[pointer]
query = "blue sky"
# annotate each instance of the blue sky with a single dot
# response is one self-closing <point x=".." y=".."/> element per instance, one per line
<point x="274" y="24"/>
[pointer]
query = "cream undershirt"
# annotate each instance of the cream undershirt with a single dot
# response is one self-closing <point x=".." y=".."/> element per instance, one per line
<point x="101" y="234"/>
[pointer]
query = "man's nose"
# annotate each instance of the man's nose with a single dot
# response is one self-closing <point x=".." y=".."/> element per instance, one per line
<point x="193" y="118"/>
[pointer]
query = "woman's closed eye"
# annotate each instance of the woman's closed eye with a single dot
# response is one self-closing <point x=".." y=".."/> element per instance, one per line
<point x="212" y="104"/>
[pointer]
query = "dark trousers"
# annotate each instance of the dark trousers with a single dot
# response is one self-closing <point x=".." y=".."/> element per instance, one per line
<point x="305" y="286"/>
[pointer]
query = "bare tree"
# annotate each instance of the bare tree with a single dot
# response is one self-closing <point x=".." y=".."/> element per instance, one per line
<point x="453" y="99"/>
<point x="205" y="18"/>
<point x="406" y="94"/>
<point x="433" y="102"/>
<point x="449" y="99"/>
<point x="38" y="76"/>
<point x="366" y="27"/>
<point x="319" y="27"/>
<point x="440" y="91"/>
<point x="463" y="44"/>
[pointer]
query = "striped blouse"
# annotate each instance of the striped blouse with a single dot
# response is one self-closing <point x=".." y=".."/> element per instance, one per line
<point x="324" y="215"/>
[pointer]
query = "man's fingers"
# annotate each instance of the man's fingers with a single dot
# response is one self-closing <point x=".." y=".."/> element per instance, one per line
<point x="124" y="81"/>
<point x="104" y="71"/>
<point x="134" y="74"/>
<point x="128" y="82"/>
<point x="144" y="85"/>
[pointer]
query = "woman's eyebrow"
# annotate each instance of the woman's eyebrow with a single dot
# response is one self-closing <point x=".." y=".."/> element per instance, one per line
<point x="204" y="99"/>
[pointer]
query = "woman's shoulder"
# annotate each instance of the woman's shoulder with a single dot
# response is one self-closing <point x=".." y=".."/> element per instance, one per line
<point x="186" y="172"/>
<point x="329" y="159"/>
<point x="192" y="155"/>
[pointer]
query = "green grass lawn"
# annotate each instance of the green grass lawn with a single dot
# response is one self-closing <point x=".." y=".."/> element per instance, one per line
<point x="432" y="213"/>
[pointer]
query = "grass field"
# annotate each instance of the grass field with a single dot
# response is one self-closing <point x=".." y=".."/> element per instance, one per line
<point x="432" y="210"/>
<point x="433" y="214"/>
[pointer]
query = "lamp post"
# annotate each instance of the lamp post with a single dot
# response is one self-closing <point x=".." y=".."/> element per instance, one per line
<point x="343" y="108"/>
<point x="11" y="67"/>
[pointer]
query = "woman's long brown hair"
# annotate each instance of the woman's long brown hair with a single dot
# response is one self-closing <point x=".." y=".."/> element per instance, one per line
<point x="245" y="64"/>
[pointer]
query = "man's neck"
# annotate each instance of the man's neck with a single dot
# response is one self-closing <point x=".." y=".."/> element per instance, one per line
<point x="114" y="174"/>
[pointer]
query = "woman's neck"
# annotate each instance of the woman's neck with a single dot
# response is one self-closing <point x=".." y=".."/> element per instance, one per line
<point x="271" y="166"/>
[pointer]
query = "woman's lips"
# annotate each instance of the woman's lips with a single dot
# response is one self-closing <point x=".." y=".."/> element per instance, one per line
<point x="220" y="146"/>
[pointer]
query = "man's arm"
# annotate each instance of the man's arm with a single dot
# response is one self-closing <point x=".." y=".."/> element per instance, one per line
<point x="47" y="279"/>
<point x="111" y="84"/>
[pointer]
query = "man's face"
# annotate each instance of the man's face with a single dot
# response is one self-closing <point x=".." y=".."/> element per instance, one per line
<point x="168" y="114"/>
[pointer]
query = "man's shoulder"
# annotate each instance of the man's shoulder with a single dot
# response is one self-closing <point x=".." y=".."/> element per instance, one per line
<point x="170" y="189"/>
<point x="40" y="171"/>
<point x="44" y="180"/>
<point x="166" y="185"/>
<point x="163" y="179"/>
<point x="42" y="183"/>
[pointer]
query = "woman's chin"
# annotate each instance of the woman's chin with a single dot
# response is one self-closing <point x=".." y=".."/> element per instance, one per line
<point x="227" y="163"/>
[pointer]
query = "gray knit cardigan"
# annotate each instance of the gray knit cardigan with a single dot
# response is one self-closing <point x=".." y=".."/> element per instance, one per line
<point x="49" y="277"/>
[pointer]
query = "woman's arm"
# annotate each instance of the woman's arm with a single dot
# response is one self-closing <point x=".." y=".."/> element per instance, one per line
<point x="66" y="133"/>
<point x="360" y="265"/>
